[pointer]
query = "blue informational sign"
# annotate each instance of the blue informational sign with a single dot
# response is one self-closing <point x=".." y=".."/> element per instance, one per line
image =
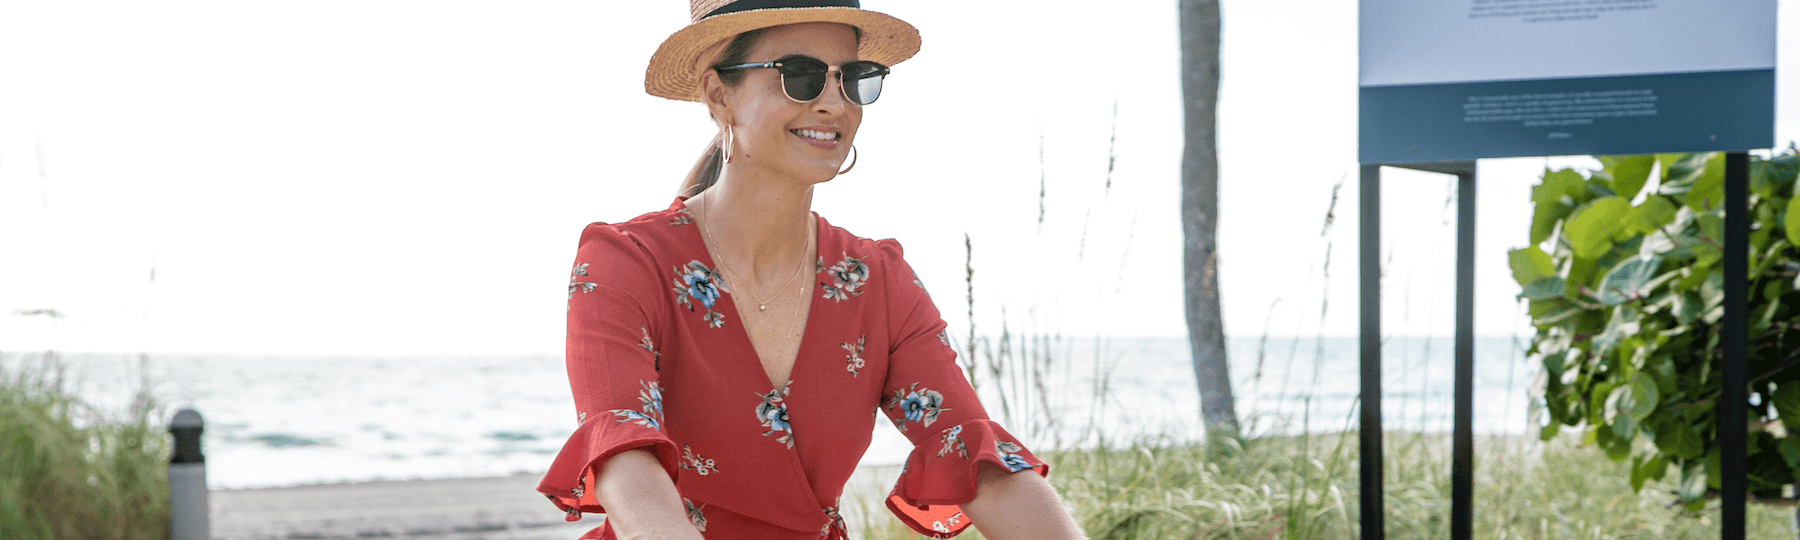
<point x="1453" y="80"/>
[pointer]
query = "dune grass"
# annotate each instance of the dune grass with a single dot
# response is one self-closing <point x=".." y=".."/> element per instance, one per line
<point x="69" y="471"/>
<point x="1305" y="486"/>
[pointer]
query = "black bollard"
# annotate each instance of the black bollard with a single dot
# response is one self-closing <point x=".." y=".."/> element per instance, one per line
<point x="188" y="507"/>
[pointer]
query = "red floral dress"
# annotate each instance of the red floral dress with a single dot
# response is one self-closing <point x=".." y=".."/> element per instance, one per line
<point x="658" y="360"/>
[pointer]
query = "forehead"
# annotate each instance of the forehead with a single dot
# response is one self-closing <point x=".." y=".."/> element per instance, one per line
<point x="832" y="42"/>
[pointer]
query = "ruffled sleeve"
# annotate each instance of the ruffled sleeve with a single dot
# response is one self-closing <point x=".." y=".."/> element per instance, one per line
<point x="614" y="322"/>
<point x="929" y="400"/>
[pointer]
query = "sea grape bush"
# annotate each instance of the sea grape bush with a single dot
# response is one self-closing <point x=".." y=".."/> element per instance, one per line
<point x="1625" y="288"/>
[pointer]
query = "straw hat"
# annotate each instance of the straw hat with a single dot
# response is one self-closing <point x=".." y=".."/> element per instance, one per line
<point x="674" y="69"/>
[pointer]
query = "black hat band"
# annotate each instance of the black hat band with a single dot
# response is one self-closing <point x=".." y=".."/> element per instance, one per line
<point x="747" y="5"/>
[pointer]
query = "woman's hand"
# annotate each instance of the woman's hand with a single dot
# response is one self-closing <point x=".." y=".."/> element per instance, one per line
<point x="1019" y="505"/>
<point x="640" y="500"/>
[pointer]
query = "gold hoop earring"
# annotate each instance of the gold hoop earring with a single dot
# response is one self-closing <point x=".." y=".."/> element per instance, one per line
<point x="852" y="161"/>
<point x="728" y="142"/>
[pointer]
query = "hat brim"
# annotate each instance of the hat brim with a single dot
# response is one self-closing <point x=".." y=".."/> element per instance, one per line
<point x="674" y="69"/>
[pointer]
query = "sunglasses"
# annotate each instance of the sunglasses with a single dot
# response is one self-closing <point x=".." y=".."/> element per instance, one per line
<point x="803" y="78"/>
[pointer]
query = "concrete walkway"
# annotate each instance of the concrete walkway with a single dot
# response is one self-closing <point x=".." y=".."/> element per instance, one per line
<point x="496" y="508"/>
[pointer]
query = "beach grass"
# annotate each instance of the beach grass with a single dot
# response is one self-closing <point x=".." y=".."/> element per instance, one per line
<point x="70" y="471"/>
<point x="1305" y="486"/>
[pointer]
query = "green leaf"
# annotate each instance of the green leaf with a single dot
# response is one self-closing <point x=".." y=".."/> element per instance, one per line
<point x="1656" y="212"/>
<point x="1709" y="188"/>
<point x="1628" y="281"/>
<point x="1593" y="228"/>
<point x="1624" y="425"/>
<point x="1790" y="450"/>
<point x="1551" y="311"/>
<point x="1690" y="278"/>
<point x="1553" y="364"/>
<point x="1548" y="198"/>
<point x="1786" y="399"/>
<point x="1668" y="161"/>
<point x="1767" y="468"/>
<point x="1644" y="396"/>
<point x="1630" y="173"/>
<point x="1708" y="244"/>
<point x="1545" y="288"/>
<point x="1677" y="438"/>
<point x="1681" y="171"/>
<point x="1791" y="224"/>
<point x="1622" y="323"/>
<point x="1652" y="467"/>
<point x="1714" y="476"/>
<point x="1693" y="483"/>
<point x="1530" y="264"/>
<point x="1617" y="448"/>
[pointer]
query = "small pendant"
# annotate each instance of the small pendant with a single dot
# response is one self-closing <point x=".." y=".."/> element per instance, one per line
<point x="763" y="307"/>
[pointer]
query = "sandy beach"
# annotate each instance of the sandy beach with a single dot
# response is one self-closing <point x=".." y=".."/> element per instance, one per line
<point x="497" y="508"/>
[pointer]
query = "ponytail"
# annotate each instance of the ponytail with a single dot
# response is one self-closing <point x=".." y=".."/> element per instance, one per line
<point x="706" y="171"/>
<point x="712" y="162"/>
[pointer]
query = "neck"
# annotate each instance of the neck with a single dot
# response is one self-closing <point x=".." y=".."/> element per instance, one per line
<point x="761" y="226"/>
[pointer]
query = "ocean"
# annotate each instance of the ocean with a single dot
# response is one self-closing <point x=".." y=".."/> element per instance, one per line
<point x="290" y="420"/>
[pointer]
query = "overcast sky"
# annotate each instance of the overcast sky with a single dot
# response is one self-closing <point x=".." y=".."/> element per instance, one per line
<point x="381" y="177"/>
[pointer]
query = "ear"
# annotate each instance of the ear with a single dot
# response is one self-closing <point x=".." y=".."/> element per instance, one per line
<point x="713" y="93"/>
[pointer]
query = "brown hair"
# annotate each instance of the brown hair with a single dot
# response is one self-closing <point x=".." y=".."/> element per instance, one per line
<point x="712" y="161"/>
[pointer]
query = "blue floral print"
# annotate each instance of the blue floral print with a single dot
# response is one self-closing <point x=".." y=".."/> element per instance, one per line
<point x="650" y="394"/>
<point x="1014" y="462"/>
<point x="698" y="282"/>
<point x="773" y="414"/>
<point x="916" y="404"/>
<point x="682" y="217"/>
<point x="845" y="278"/>
<point x="575" y="284"/>
<point x="952" y="441"/>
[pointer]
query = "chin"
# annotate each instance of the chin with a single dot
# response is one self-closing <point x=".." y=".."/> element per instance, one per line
<point x="817" y="175"/>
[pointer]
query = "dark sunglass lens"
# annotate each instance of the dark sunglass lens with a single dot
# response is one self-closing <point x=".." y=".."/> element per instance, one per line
<point x="862" y="81"/>
<point x="803" y="78"/>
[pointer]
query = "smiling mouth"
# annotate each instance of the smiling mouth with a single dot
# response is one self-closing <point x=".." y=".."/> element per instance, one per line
<point x="815" y="134"/>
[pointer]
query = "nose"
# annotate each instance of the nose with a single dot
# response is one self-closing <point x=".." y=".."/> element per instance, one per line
<point x="832" y="100"/>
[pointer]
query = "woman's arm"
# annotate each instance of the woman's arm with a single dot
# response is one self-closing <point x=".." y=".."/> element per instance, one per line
<point x="1021" y="505"/>
<point x="640" y="501"/>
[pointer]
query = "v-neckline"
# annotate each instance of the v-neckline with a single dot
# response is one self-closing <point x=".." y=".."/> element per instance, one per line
<point x="743" y="331"/>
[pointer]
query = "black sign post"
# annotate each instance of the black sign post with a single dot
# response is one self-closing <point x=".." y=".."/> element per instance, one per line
<point x="1733" y="393"/>
<point x="1442" y="84"/>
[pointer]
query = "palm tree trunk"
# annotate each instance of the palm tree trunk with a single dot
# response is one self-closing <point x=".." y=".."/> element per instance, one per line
<point x="1200" y="209"/>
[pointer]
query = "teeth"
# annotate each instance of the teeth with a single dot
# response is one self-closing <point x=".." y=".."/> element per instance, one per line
<point x="819" y="135"/>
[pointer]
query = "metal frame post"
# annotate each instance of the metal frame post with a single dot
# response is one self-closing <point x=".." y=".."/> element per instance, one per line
<point x="1369" y="298"/>
<point x="1733" y="427"/>
<point x="1462" y="460"/>
<point x="1733" y="392"/>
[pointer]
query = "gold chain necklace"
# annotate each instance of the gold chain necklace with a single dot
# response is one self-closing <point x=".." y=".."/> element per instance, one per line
<point x="761" y="305"/>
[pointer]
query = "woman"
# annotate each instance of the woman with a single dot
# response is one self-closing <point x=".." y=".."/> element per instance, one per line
<point x="722" y="388"/>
